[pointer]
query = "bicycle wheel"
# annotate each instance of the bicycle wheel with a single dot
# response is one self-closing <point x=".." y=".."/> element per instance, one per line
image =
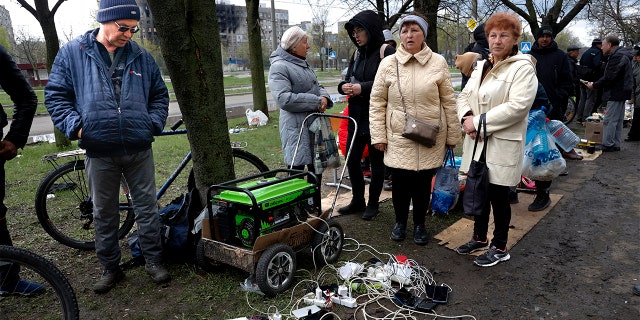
<point x="65" y="209"/>
<point x="57" y="301"/>
<point x="570" y="113"/>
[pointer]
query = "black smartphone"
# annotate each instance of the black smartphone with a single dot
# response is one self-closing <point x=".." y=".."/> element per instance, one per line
<point x="438" y="294"/>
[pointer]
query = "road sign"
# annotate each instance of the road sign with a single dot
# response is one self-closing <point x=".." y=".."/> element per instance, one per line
<point x="525" y="46"/>
<point x="332" y="54"/>
<point x="472" y="24"/>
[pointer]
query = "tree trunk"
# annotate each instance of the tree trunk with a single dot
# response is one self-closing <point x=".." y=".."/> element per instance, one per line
<point x="188" y="34"/>
<point x="429" y="8"/>
<point x="255" y="57"/>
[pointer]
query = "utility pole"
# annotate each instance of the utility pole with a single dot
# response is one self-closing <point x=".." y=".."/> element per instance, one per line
<point x="274" y="35"/>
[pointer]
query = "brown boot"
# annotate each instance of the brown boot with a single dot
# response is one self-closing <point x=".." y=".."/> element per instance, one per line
<point x="571" y="155"/>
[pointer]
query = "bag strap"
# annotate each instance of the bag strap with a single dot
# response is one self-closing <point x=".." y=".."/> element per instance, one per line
<point x="404" y="106"/>
<point x="114" y="63"/>
<point x="482" y="127"/>
<point x="382" y="48"/>
<point x="449" y="158"/>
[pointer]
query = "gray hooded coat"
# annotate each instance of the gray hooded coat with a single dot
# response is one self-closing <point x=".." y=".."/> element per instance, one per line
<point x="297" y="93"/>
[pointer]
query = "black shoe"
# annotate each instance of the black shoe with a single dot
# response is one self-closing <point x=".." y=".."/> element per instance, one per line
<point x="399" y="232"/>
<point x="370" y="212"/>
<point x="492" y="257"/>
<point x="108" y="280"/>
<point x="420" y="235"/>
<point x="541" y="202"/>
<point x="157" y="272"/>
<point x="387" y="185"/>
<point x="610" y="149"/>
<point x="473" y="246"/>
<point x="629" y="139"/>
<point x="636" y="289"/>
<point x="352" y="208"/>
<point x="513" y="196"/>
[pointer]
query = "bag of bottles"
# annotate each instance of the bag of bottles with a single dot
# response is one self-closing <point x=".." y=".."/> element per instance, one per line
<point x="542" y="159"/>
<point x="562" y="135"/>
<point x="325" y="147"/>
<point x="446" y="186"/>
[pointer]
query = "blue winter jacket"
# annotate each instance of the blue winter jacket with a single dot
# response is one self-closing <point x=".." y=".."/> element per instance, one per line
<point x="80" y="94"/>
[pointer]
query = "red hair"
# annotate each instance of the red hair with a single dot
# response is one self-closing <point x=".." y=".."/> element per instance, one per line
<point x="504" y="20"/>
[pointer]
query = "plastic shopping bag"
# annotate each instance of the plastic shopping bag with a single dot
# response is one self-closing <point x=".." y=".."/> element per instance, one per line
<point x="325" y="147"/>
<point x="446" y="186"/>
<point x="256" y="118"/>
<point x="543" y="166"/>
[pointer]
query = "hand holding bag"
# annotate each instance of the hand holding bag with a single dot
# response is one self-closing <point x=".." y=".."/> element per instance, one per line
<point x="415" y="129"/>
<point x="476" y="190"/>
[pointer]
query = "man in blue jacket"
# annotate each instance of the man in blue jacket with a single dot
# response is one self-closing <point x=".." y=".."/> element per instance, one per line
<point x="107" y="92"/>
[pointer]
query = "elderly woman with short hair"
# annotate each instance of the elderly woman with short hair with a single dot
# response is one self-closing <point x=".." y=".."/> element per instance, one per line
<point x="297" y="93"/>
<point x="503" y="87"/>
<point x="418" y="78"/>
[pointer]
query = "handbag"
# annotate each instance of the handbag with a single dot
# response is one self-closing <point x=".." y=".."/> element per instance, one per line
<point x="414" y="129"/>
<point x="476" y="190"/>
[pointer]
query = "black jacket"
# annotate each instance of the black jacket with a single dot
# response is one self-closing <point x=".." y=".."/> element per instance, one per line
<point x="23" y="97"/>
<point x="554" y="72"/>
<point x="363" y="66"/>
<point x="591" y="62"/>
<point x="617" y="81"/>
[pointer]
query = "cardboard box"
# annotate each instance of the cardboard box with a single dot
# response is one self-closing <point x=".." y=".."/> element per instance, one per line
<point x="593" y="132"/>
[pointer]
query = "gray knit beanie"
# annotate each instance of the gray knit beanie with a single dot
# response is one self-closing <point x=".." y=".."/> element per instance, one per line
<point x="112" y="10"/>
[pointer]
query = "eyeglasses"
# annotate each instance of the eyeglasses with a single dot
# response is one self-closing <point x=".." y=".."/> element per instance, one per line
<point x="357" y="31"/>
<point x="125" y="29"/>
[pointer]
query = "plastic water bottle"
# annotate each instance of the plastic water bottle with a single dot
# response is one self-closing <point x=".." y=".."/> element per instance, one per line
<point x="540" y="147"/>
<point x="563" y="136"/>
<point x="535" y="123"/>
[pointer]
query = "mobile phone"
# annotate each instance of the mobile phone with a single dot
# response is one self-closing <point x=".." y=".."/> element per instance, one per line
<point x="437" y="294"/>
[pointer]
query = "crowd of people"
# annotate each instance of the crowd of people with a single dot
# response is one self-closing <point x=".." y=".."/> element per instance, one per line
<point x="385" y="86"/>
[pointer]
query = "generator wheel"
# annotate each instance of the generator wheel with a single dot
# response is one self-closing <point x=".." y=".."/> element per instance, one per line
<point x="327" y="242"/>
<point x="275" y="269"/>
<point x="203" y="262"/>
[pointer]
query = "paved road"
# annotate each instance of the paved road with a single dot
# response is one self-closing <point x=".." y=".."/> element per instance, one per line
<point x="42" y="128"/>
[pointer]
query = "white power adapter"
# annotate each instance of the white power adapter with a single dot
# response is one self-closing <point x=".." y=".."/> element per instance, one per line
<point x="276" y="316"/>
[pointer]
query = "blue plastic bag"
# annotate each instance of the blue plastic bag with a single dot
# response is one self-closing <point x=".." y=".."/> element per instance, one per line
<point x="446" y="186"/>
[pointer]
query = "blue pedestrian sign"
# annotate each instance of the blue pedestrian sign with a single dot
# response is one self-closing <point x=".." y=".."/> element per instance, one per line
<point x="525" y="47"/>
<point x="332" y="54"/>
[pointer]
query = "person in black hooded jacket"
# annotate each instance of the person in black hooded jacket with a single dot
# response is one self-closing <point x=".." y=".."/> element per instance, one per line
<point x="365" y="31"/>
<point x="481" y="46"/>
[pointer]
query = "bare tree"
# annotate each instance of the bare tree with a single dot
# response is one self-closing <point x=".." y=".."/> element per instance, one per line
<point x="255" y="57"/>
<point x="31" y="50"/>
<point x="320" y="23"/>
<point x="615" y="17"/>
<point x="45" y="16"/>
<point x="188" y="33"/>
<point x="555" y="14"/>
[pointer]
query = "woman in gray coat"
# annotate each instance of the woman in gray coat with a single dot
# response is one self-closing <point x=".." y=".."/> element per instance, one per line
<point x="297" y="93"/>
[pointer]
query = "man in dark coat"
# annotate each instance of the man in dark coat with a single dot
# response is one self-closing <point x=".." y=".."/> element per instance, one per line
<point x="554" y="73"/>
<point x="617" y="87"/>
<point x="573" y="52"/>
<point x="24" y="99"/>
<point x="365" y="31"/>
<point x="590" y="69"/>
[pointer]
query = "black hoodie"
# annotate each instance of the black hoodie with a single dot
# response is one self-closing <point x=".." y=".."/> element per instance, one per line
<point x="363" y="66"/>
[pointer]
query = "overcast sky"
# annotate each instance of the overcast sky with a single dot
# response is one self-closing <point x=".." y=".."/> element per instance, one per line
<point x="77" y="16"/>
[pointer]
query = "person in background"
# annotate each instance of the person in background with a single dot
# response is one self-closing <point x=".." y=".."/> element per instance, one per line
<point x="296" y="90"/>
<point x="480" y="46"/>
<point x="553" y="69"/>
<point x="634" y="131"/>
<point x="365" y="31"/>
<point x="506" y="109"/>
<point x="389" y="39"/>
<point x="617" y="87"/>
<point x="24" y="99"/>
<point x="419" y="79"/>
<point x="590" y="69"/>
<point x="573" y="52"/>
<point x="107" y="92"/>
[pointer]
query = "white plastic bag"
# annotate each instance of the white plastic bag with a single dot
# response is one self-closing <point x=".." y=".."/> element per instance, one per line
<point x="543" y="166"/>
<point x="256" y="118"/>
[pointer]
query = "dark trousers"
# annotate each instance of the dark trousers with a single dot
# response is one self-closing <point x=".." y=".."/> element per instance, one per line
<point x="8" y="273"/>
<point x="311" y="169"/>
<point x="355" y="171"/>
<point x="499" y="201"/>
<point x="634" y="131"/>
<point x="411" y="186"/>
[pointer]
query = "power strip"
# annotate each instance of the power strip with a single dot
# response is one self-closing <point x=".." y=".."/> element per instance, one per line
<point x="303" y="312"/>
<point x="348" y="302"/>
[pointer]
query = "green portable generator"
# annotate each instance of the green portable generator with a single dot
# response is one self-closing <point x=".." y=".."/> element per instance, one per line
<point x="243" y="211"/>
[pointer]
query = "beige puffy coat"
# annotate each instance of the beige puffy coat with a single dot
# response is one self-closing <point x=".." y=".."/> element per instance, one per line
<point x="505" y="95"/>
<point x="426" y="88"/>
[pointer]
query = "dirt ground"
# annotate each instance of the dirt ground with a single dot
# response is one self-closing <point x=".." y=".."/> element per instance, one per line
<point x="579" y="262"/>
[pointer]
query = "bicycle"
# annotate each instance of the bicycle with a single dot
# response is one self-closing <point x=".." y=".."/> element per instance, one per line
<point x="570" y="113"/>
<point x="58" y="301"/>
<point x="63" y="202"/>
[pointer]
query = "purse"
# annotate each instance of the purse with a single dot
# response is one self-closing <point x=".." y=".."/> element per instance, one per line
<point x="476" y="190"/>
<point x="414" y="129"/>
